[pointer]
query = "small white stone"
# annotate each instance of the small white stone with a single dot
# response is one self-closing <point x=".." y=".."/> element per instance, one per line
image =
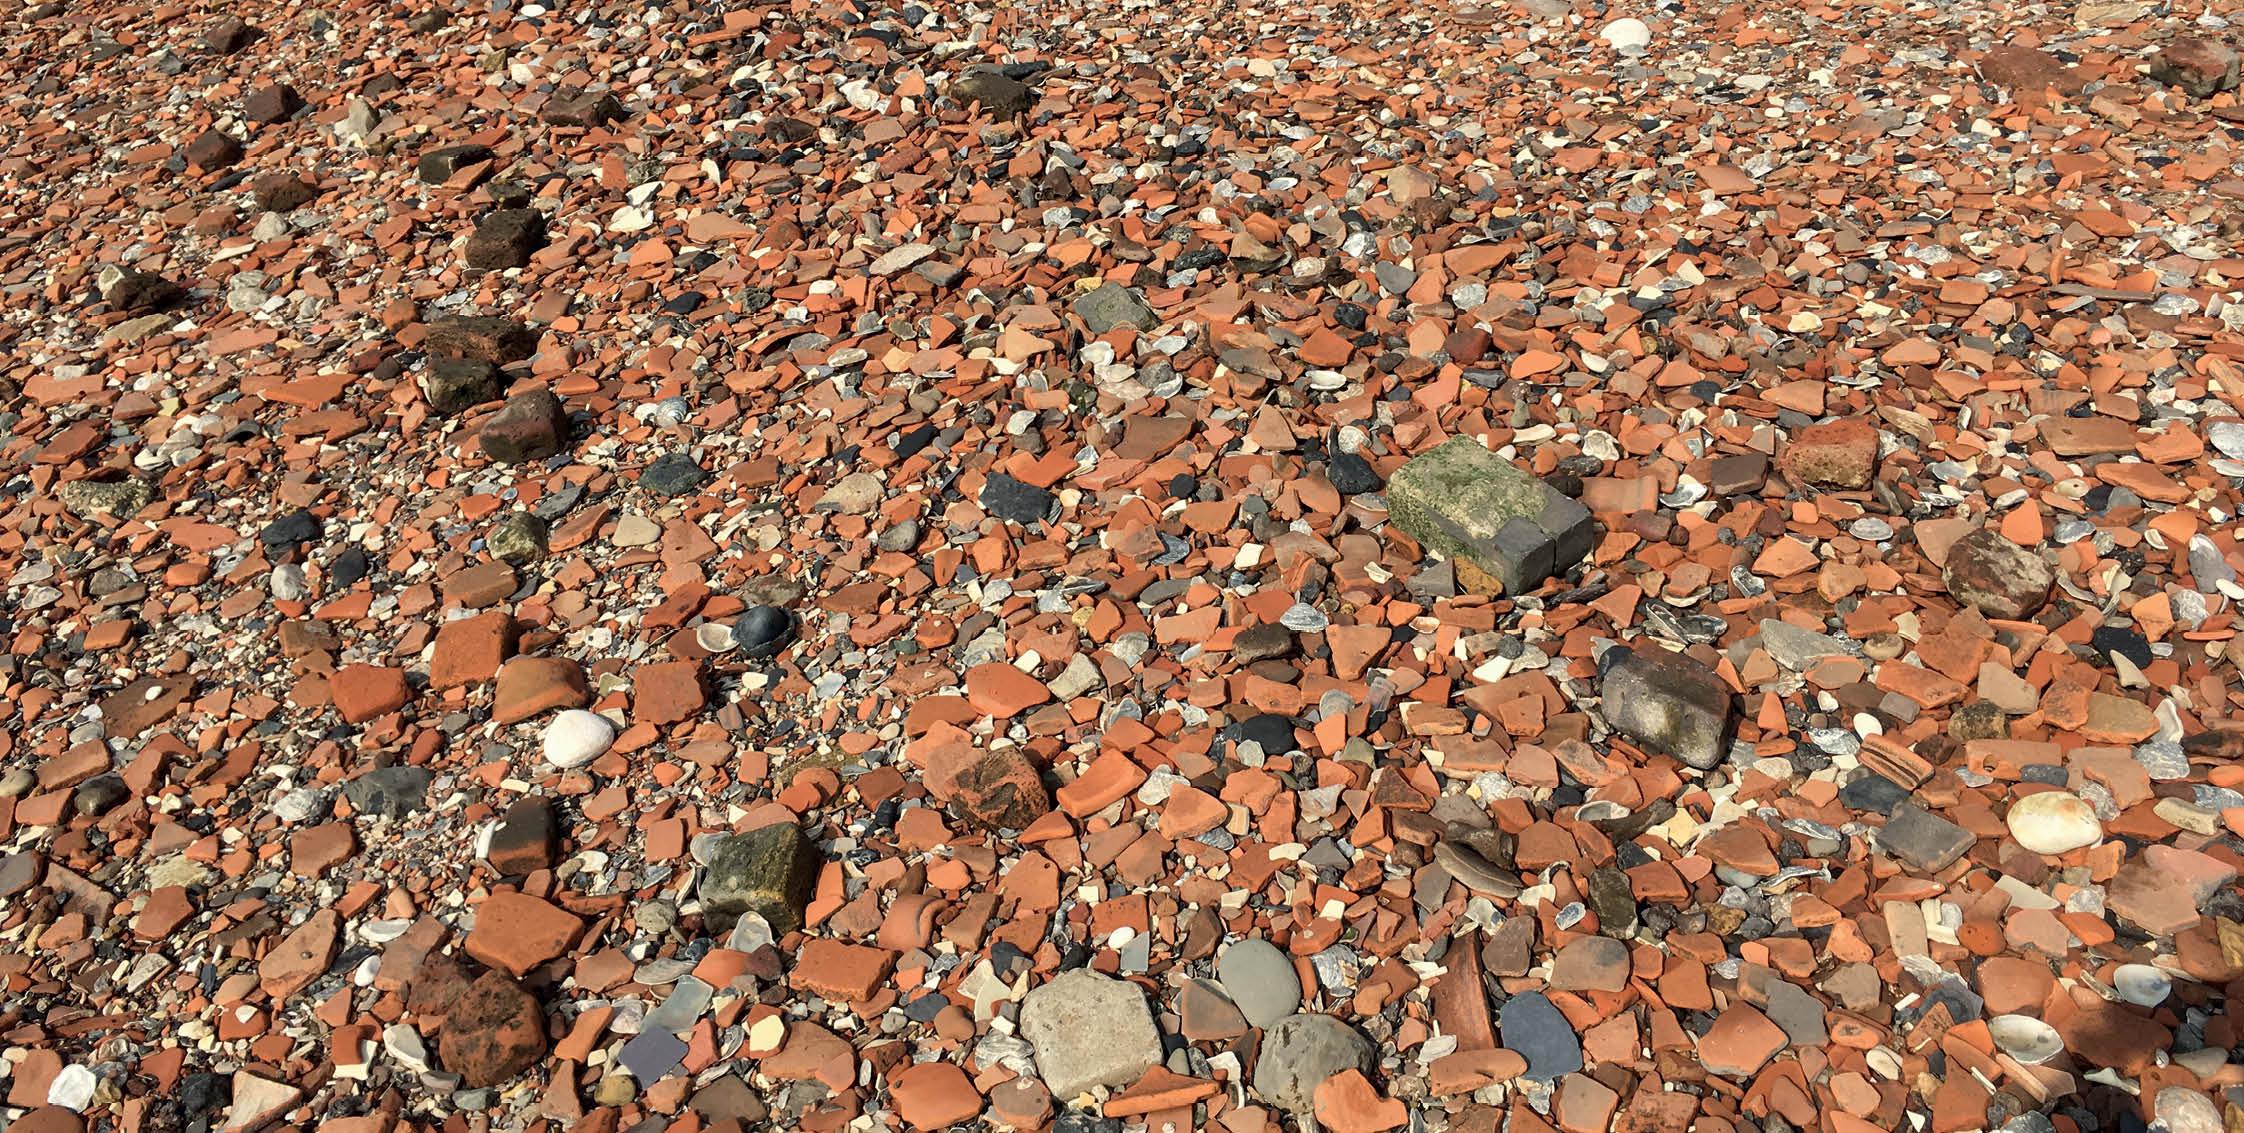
<point x="72" y="1088"/>
<point x="1627" y="35"/>
<point x="577" y="737"/>
<point x="2053" y="822"/>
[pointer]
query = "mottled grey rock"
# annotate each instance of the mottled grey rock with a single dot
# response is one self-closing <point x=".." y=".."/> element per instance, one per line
<point x="1464" y="502"/>
<point x="518" y="537"/>
<point x="768" y="871"/>
<point x="1261" y="980"/>
<point x="1112" y="305"/>
<point x="1300" y="1052"/>
<point x="121" y="498"/>
<point x="389" y="792"/>
<point x="1089" y="1030"/>
<point x="1669" y="703"/>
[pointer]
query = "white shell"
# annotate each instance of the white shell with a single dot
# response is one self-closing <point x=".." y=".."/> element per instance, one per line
<point x="1627" y="35"/>
<point x="716" y="637"/>
<point x="2025" y="1038"/>
<point x="2141" y="984"/>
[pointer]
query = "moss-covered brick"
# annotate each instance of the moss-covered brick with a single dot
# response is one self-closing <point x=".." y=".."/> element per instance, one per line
<point x="1462" y="501"/>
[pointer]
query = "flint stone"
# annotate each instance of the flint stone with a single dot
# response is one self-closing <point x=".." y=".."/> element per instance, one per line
<point x="1462" y="501"/>
<point x="1300" y="1052"/>
<point x="1534" y="1028"/>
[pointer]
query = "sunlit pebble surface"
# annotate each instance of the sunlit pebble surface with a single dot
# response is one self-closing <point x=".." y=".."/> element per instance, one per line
<point x="1095" y="566"/>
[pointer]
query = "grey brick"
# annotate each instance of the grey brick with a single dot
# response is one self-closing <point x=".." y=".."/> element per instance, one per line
<point x="1923" y="840"/>
<point x="1668" y="703"/>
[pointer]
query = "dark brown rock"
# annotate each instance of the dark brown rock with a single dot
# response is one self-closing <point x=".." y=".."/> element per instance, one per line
<point x="493" y="1033"/>
<point x="484" y="337"/>
<point x="527" y="838"/>
<point x="282" y="192"/>
<point x="2000" y="578"/>
<point x="212" y="150"/>
<point x="506" y="238"/>
<point x="276" y="103"/>
<point x="533" y="426"/>
<point x="584" y="108"/>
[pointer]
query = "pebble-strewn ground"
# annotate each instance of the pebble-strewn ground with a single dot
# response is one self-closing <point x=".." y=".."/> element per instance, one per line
<point x="863" y="566"/>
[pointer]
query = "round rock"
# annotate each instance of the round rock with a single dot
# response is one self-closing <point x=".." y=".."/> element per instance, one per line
<point x="577" y="737"/>
<point x="2053" y="822"/>
<point x="1261" y="980"/>
<point x="1300" y="1052"/>
<point x="1627" y="35"/>
<point x="2183" y="1110"/>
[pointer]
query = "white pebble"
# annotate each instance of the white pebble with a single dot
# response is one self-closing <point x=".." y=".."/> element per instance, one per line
<point x="1627" y="35"/>
<point x="72" y="1088"/>
<point x="577" y="737"/>
<point x="2053" y="822"/>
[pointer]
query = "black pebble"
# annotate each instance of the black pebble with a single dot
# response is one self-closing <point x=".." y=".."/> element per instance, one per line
<point x="1872" y="792"/>
<point x="347" y="569"/>
<point x="1272" y="731"/>
<point x="1184" y="487"/>
<point x="1352" y="475"/>
<point x="2125" y="642"/>
<point x="1011" y="499"/>
<point x="294" y="529"/>
<point x="763" y="631"/>
<point x="909" y="445"/>
<point x="673" y="474"/>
